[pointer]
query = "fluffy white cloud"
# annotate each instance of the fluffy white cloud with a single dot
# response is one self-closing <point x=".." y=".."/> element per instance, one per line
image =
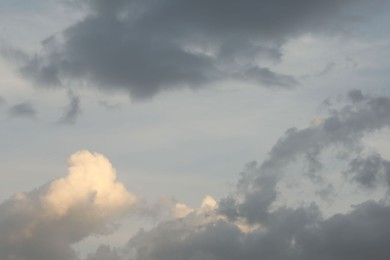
<point x="44" y="223"/>
<point x="91" y="183"/>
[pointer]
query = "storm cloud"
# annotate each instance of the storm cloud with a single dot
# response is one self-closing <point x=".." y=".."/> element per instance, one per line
<point x="144" y="47"/>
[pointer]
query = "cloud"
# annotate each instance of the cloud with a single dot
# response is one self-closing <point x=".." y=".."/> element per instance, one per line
<point x="248" y="225"/>
<point x="358" y="235"/>
<point x="44" y="223"/>
<point x="269" y="78"/>
<point x="72" y="111"/>
<point x="145" y="47"/>
<point x="104" y="252"/>
<point x="369" y="171"/>
<point x="342" y="130"/>
<point x="24" y="109"/>
<point x="290" y="235"/>
<point x="329" y="67"/>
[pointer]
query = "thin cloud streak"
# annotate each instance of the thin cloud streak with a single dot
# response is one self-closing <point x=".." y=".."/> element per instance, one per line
<point x="73" y="111"/>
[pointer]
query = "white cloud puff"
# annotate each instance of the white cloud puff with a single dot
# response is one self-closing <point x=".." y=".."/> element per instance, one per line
<point x="44" y="223"/>
<point x="91" y="183"/>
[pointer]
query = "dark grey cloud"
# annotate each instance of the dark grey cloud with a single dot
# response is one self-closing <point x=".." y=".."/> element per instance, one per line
<point x="369" y="171"/>
<point x="359" y="235"/>
<point x="144" y="47"/>
<point x="24" y="109"/>
<point x="72" y="111"/>
<point x="342" y="131"/>
<point x="291" y="234"/>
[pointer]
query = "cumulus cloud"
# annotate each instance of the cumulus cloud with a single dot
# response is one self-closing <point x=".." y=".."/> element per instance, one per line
<point x="144" y="47"/>
<point x="44" y="223"/>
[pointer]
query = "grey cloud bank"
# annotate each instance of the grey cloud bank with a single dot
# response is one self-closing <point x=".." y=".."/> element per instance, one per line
<point x="289" y="235"/>
<point x="144" y="47"/>
<point x="342" y="131"/>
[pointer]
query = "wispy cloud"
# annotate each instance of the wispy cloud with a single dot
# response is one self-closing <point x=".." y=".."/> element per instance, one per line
<point x="72" y="111"/>
<point x="23" y="110"/>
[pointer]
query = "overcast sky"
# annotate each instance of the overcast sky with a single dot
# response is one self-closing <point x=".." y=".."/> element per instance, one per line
<point x="202" y="130"/>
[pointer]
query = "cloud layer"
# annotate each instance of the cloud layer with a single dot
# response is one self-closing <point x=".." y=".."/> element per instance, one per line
<point x="144" y="47"/>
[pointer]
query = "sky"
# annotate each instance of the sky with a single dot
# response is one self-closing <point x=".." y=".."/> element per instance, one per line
<point x="182" y="129"/>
